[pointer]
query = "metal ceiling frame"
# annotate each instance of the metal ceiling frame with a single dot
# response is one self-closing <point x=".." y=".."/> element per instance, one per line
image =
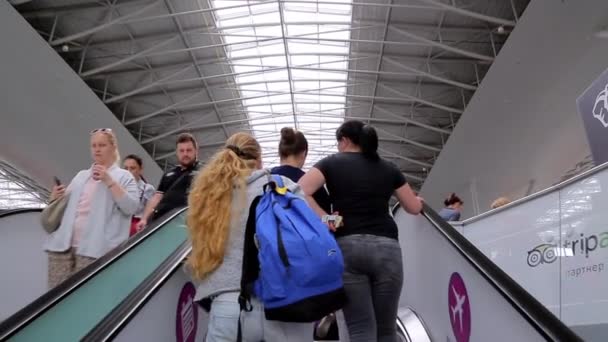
<point x="146" y="61"/>
<point x="195" y="64"/>
<point x="211" y="90"/>
<point x="434" y="5"/>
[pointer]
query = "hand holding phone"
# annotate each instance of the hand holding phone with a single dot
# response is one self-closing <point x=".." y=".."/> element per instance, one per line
<point x="58" y="189"/>
<point x="333" y="221"/>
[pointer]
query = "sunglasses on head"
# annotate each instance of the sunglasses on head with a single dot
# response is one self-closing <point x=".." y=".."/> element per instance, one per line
<point x="108" y="130"/>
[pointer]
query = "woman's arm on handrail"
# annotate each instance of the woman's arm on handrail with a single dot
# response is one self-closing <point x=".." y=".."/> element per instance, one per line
<point x="408" y="200"/>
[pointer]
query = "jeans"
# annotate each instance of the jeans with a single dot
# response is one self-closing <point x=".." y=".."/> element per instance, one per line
<point x="224" y="321"/>
<point x="373" y="277"/>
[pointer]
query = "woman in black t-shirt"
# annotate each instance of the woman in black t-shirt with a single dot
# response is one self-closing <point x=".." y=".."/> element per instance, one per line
<point x="360" y="184"/>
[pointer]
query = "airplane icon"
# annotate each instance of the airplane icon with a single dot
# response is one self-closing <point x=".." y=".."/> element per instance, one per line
<point x="458" y="308"/>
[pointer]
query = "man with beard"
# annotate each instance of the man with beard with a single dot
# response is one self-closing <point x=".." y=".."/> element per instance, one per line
<point x="172" y="192"/>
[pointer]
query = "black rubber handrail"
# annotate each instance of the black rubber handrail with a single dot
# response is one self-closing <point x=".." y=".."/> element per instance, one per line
<point x="111" y="325"/>
<point x="23" y="317"/>
<point x="539" y="317"/>
<point x="11" y="212"/>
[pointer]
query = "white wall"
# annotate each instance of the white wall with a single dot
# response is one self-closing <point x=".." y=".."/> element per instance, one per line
<point x="521" y="131"/>
<point x="47" y="111"/>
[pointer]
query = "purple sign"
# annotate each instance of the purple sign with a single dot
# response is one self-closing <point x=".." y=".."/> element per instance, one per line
<point x="186" y="317"/>
<point x="459" y="308"/>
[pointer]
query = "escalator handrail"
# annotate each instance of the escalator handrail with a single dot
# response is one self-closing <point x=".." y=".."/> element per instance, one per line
<point x="29" y="313"/>
<point x="539" y="317"/>
<point x="19" y="211"/>
<point x="110" y="326"/>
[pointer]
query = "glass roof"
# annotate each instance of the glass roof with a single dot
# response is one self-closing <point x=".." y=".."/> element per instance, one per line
<point x="293" y="57"/>
<point x="14" y="195"/>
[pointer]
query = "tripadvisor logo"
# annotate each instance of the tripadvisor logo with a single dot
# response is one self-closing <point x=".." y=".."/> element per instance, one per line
<point x="547" y="253"/>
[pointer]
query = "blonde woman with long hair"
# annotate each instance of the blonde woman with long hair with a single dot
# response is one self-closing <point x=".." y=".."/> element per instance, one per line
<point x="219" y="202"/>
<point x="101" y="201"/>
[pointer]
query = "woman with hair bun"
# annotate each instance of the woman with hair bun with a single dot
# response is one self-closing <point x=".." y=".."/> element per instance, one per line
<point x="453" y="206"/>
<point x="293" y="150"/>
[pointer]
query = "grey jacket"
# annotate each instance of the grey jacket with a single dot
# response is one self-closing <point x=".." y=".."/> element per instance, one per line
<point x="227" y="277"/>
<point x="108" y="222"/>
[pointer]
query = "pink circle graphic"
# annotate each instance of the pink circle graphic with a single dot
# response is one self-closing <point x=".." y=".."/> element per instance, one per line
<point x="186" y="317"/>
<point x="459" y="308"/>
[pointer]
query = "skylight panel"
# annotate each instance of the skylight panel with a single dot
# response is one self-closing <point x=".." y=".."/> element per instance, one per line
<point x="277" y="75"/>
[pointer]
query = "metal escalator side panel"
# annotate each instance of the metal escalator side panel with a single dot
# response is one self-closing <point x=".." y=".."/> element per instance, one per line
<point x="69" y="311"/>
<point x="461" y="294"/>
<point x="411" y="327"/>
<point x="23" y="262"/>
<point x="143" y="314"/>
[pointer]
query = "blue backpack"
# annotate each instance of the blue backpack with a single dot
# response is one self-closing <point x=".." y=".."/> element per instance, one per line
<point x="299" y="277"/>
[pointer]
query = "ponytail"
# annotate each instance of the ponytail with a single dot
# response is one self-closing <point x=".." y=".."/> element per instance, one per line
<point x="362" y="135"/>
<point x="211" y="201"/>
<point x="368" y="141"/>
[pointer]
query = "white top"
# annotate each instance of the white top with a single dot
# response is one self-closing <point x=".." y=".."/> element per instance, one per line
<point x="83" y="208"/>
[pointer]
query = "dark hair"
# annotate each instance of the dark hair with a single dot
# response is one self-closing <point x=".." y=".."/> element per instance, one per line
<point x="186" y="137"/>
<point x="292" y="142"/>
<point x="452" y="199"/>
<point x="137" y="159"/>
<point x="139" y="162"/>
<point x="362" y="135"/>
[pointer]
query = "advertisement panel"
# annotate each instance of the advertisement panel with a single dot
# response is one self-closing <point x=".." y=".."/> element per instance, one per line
<point x="520" y="240"/>
<point x="556" y="247"/>
<point x="436" y="276"/>
<point x="585" y="242"/>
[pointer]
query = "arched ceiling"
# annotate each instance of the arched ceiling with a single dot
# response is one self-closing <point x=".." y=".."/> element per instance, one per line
<point x="213" y="68"/>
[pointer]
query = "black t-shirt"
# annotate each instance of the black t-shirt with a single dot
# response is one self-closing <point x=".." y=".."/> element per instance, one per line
<point x="360" y="189"/>
<point x="293" y="173"/>
<point x="175" y="186"/>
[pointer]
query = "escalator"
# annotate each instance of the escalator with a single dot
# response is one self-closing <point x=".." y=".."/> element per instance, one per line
<point x="139" y="292"/>
<point x="69" y="311"/>
<point x="459" y="294"/>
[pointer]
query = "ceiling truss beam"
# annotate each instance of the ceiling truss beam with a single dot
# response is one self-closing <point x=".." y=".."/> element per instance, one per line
<point x="212" y="30"/>
<point x="432" y="5"/>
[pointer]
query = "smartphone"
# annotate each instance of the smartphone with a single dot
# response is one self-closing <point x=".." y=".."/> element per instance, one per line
<point x="57" y="181"/>
<point x="336" y="220"/>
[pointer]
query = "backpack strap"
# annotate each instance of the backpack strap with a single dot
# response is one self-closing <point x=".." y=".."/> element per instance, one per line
<point x="250" y="268"/>
<point x="275" y="182"/>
